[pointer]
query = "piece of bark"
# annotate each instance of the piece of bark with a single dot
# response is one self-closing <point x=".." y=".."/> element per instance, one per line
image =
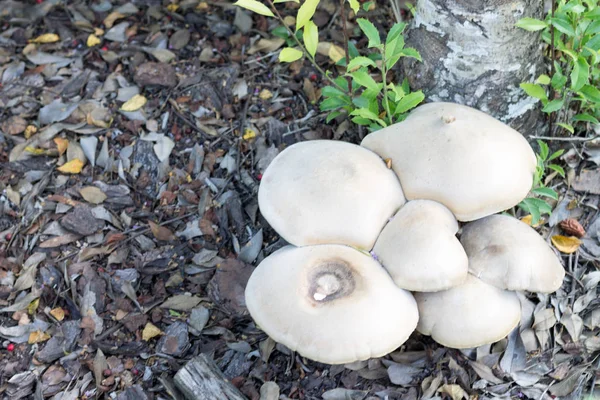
<point x="201" y="379"/>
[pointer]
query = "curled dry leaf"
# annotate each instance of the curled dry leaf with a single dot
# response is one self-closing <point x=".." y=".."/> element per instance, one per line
<point x="72" y="167"/>
<point x="62" y="145"/>
<point x="150" y="331"/>
<point x="46" y="38"/>
<point x="58" y="313"/>
<point x="135" y="103"/>
<point x="566" y="244"/>
<point x="38" y="337"/>
<point x="93" y="40"/>
<point x="14" y="125"/>
<point x="572" y="227"/>
<point x="161" y="232"/>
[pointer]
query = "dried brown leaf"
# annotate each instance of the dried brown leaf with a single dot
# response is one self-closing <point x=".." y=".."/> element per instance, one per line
<point x="161" y="232"/>
<point x="566" y="244"/>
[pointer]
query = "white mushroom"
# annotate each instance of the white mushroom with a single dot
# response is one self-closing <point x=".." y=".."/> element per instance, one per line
<point x="330" y="303"/>
<point x="329" y="192"/>
<point x="468" y="315"/>
<point x="458" y="156"/>
<point x="419" y="249"/>
<point x="509" y="254"/>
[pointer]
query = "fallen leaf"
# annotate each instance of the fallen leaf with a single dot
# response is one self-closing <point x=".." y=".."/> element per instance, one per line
<point x="38" y="337"/>
<point x="58" y="313"/>
<point x="454" y="391"/>
<point x="72" y="167"/>
<point x="93" y="40"/>
<point x="134" y="103"/>
<point x="150" y="331"/>
<point x="265" y="94"/>
<point x="566" y="244"/>
<point x="266" y="45"/>
<point x="181" y="302"/>
<point x="109" y="21"/>
<point x="14" y="125"/>
<point x="46" y="38"/>
<point x="61" y="145"/>
<point x="92" y="194"/>
<point x="30" y="131"/>
<point x="161" y="232"/>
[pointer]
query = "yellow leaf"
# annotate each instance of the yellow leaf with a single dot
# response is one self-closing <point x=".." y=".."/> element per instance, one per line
<point x="72" y="167"/>
<point x="265" y="94"/>
<point x="30" y="131"/>
<point x="93" y="40"/>
<point x="528" y="218"/>
<point x="306" y="12"/>
<point x="58" y="313"/>
<point x="34" y="151"/>
<point x="150" y="331"/>
<point x="173" y="7"/>
<point x="202" y="6"/>
<point x="249" y="134"/>
<point x="38" y="337"/>
<point x="98" y="31"/>
<point x="289" y="20"/>
<point x="134" y="103"/>
<point x="46" y="38"/>
<point x="336" y="53"/>
<point x="290" y="55"/>
<point x="61" y="145"/>
<point x="32" y="307"/>
<point x="109" y="21"/>
<point x="255" y="6"/>
<point x="566" y="244"/>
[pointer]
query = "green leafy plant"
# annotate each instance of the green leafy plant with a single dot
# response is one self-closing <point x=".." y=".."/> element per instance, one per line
<point x="369" y="102"/>
<point x="570" y="93"/>
<point x="535" y="205"/>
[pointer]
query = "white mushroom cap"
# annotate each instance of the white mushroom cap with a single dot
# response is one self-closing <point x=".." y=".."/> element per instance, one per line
<point x="419" y="249"/>
<point x="330" y="303"/>
<point x="329" y="192"/>
<point x="509" y="254"/>
<point x="468" y="315"/>
<point x="457" y="156"/>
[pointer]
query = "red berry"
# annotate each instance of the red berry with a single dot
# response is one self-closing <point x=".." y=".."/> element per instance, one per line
<point x="104" y="48"/>
<point x="8" y="236"/>
<point x="135" y="371"/>
<point x="10" y="347"/>
<point x="259" y="177"/>
<point x="313" y="77"/>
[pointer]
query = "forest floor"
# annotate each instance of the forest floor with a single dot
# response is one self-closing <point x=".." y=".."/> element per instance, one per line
<point x="132" y="145"/>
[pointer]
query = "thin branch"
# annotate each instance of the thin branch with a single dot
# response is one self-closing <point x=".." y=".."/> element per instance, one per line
<point x="566" y="139"/>
<point x="346" y="38"/>
<point x="552" y="56"/>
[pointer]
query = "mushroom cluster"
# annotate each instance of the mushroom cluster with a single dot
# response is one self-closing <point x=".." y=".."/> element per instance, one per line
<point x="367" y="225"/>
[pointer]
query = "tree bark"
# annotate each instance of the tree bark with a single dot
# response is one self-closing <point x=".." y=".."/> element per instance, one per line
<point x="474" y="55"/>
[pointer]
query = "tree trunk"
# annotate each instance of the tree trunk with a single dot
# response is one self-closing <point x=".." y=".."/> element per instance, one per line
<point x="474" y="55"/>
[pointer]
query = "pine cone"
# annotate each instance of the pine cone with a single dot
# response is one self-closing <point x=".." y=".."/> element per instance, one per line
<point x="572" y="227"/>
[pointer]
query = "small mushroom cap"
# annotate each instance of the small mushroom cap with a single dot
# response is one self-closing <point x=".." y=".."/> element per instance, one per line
<point x="330" y="303"/>
<point x="468" y="315"/>
<point x="419" y="249"/>
<point x="457" y="156"/>
<point x="329" y="192"/>
<point x="509" y="254"/>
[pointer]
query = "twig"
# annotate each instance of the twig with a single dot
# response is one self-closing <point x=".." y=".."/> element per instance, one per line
<point x="552" y="55"/>
<point x="346" y="38"/>
<point x="566" y="139"/>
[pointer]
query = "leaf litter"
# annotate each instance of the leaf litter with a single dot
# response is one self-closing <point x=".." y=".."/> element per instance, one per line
<point x="134" y="139"/>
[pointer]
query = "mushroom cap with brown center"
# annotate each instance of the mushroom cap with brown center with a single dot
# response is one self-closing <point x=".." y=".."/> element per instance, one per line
<point x="509" y="254"/>
<point x="457" y="156"/>
<point x="329" y="192"/>
<point x="330" y="303"/>
<point x="419" y="249"/>
<point x="468" y="315"/>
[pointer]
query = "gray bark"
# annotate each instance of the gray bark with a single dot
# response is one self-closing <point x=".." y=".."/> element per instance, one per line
<point x="201" y="379"/>
<point x="474" y="55"/>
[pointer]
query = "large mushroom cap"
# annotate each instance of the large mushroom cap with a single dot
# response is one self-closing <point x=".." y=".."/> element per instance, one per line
<point x="456" y="155"/>
<point x="468" y="315"/>
<point x="509" y="254"/>
<point x="331" y="303"/>
<point x="420" y="250"/>
<point x="322" y="191"/>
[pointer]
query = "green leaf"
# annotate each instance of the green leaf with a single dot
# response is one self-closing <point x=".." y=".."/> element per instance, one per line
<point x="286" y="1"/>
<point x="410" y="52"/>
<point x="331" y="91"/>
<point x="586" y="118"/>
<point x="255" y="6"/>
<point x="311" y="37"/>
<point x="363" y="78"/>
<point x="352" y="50"/>
<point x="563" y="25"/>
<point x="534" y="90"/>
<point x="567" y="127"/>
<point x="531" y="24"/>
<point x="306" y="12"/>
<point x="367" y="5"/>
<point x="558" y="81"/>
<point x="354" y="5"/>
<point x="281" y="32"/>
<point x="368" y="114"/>
<point x="290" y="54"/>
<point x="332" y="115"/>
<point x="332" y="103"/>
<point x="528" y="206"/>
<point x="553" y="106"/>
<point x="360" y="61"/>
<point x="591" y="93"/>
<point x="361" y="102"/>
<point x="370" y="31"/>
<point x="544" y="150"/>
<point x="409" y="102"/>
<point x="543" y="79"/>
<point x="558" y="169"/>
<point x="580" y="73"/>
<point x="361" y="121"/>
<point x="556" y="154"/>
<point x="546" y="192"/>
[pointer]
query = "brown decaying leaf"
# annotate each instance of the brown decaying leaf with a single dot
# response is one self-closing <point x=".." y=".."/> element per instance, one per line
<point x="37" y="337"/>
<point x="566" y="244"/>
<point x="58" y="313"/>
<point x="161" y="232"/>
<point x="572" y="227"/>
<point x="92" y="194"/>
<point x="14" y="125"/>
<point x="61" y="144"/>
